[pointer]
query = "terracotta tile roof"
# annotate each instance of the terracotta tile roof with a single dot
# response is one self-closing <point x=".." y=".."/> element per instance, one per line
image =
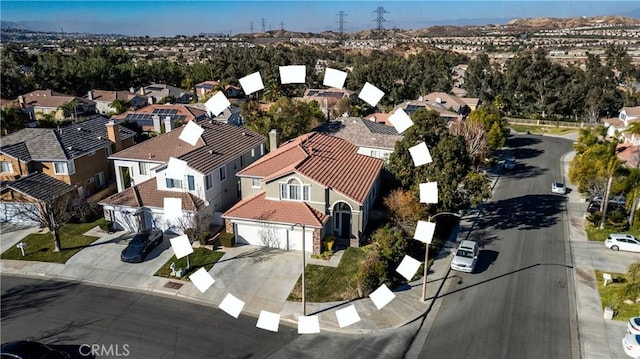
<point x="629" y="154"/>
<point x="218" y="144"/>
<point x="258" y="208"/>
<point x="109" y="96"/>
<point x="146" y="194"/>
<point x="379" y="117"/>
<point x="615" y="122"/>
<point x="52" y="99"/>
<point x="328" y="160"/>
<point x="632" y="111"/>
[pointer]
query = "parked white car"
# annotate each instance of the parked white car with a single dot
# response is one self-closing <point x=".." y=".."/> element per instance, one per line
<point x="633" y="326"/>
<point x="466" y="257"/>
<point x="558" y="187"/>
<point x="622" y="242"/>
<point x="631" y="345"/>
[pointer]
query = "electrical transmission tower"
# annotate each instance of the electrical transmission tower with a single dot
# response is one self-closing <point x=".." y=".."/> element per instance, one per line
<point x="263" y="24"/>
<point x="341" y="22"/>
<point x="380" y="17"/>
<point x="251" y="23"/>
<point x="281" y="26"/>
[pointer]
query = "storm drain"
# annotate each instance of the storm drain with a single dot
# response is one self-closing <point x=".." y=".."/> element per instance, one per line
<point x="173" y="285"/>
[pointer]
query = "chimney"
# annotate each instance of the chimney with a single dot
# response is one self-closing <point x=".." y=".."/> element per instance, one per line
<point x="132" y="89"/>
<point x="167" y="124"/>
<point x="156" y="123"/>
<point x="113" y="133"/>
<point x="150" y="100"/>
<point x="142" y="91"/>
<point x="90" y="95"/>
<point x="21" y="101"/>
<point x="274" y="139"/>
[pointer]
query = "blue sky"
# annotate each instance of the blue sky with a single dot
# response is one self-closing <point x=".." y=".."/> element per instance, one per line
<point x="170" y="18"/>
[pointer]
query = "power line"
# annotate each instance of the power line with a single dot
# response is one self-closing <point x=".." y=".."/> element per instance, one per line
<point x="263" y="24"/>
<point x="380" y="17"/>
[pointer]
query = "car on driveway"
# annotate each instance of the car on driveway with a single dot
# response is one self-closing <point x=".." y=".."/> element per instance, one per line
<point x="558" y="187"/>
<point x="624" y="242"/>
<point x="631" y="345"/>
<point x="24" y="349"/>
<point x="141" y="244"/>
<point x="466" y="257"/>
<point x="633" y="325"/>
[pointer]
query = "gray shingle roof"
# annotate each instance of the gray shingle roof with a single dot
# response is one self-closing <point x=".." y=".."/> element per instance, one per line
<point x="380" y="128"/>
<point x="40" y="186"/>
<point x="362" y="133"/>
<point x="41" y="144"/>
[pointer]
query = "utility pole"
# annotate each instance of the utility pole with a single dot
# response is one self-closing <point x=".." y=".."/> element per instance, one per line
<point x="281" y="26"/>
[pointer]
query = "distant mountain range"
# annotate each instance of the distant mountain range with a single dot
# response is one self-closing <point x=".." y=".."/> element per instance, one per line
<point x="451" y="27"/>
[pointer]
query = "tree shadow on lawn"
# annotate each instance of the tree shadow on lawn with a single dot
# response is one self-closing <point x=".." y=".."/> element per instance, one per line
<point x="524" y="213"/>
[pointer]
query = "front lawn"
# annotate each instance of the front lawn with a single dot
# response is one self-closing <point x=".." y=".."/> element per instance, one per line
<point x="543" y="129"/>
<point x="609" y="297"/>
<point x="597" y="234"/>
<point x="201" y="257"/>
<point x="40" y="246"/>
<point x="329" y="284"/>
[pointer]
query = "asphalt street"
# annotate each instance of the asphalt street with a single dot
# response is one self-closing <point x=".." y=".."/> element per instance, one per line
<point x="516" y="305"/>
<point x="74" y="315"/>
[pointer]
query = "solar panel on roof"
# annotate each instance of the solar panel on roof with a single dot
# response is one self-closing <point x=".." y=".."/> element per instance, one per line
<point x="412" y="108"/>
<point x="312" y="93"/>
<point x="165" y="111"/>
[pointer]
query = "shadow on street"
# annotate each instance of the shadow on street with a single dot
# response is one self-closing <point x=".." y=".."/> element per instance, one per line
<point x="524" y="213"/>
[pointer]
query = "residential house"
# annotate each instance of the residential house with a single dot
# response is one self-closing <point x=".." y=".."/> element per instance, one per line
<point x="104" y="100"/>
<point x="328" y="98"/>
<point x="233" y="91"/>
<point x="158" y="92"/>
<point x="209" y="185"/>
<point x="379" y="117"/>
<point x="316" y="182"/>
<point x="19" y="198"/>
<point x="231" y="115"/>
<point x="206" y="87"/>
<point x="161" y="118"/>
<point x="372" y="138"/>
<point x="40" y="103"/>
<point x="412" y="106"/>
<point x="629" y="154"/>
<point x="75" y="154"/>
<point x="459" y="105"/>
<point x="617" y="125"/>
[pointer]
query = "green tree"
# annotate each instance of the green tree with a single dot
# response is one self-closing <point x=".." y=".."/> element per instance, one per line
<point x="490" y="118"/>
<point x="631" y="289"/>
<point x="120" y="106"/>
<point x="12" y="119"/>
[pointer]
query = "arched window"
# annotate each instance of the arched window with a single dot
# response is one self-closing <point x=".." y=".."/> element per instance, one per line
<point x="294" y="190"/>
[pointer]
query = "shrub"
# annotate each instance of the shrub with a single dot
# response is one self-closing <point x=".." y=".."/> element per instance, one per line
<point x="227" y="239"/>
<point x="106" y="226"/>
<point x="370" y="274"/>
<point x="204" y="237"/>
<point x="328" y="242"/>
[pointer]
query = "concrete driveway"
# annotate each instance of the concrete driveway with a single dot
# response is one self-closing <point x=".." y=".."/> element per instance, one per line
<point x="11" y="234"/>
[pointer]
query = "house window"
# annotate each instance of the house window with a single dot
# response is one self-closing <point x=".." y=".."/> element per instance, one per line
<point x="90" y="180"/>
<point x="5" y="166"/>
<point x="191" y="183"/>
<point x="385" y="156"/>
<point x="253" y="152"/>
<point x="255" y="182"/>
<point x="223" y="173"/>
<point x="262" y="149"/>
<point x="108" y="150"/>
<point x="63" y="168"/>
<point x="241" y="161"/>
<point x="100" y="179"/>
<point x="173" y="183"/>
<point x="295" y="191"/>
<point x="207" y="180"/>
<point x="144" y="168"/>
<point x="375" y="153"/>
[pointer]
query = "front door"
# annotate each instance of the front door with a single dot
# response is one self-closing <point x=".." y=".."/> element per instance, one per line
<point x="345" y="225"/>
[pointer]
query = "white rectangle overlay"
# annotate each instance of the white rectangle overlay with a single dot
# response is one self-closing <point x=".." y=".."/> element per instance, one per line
<point x="408" y="267"/>
<point x="308" y="324"/>
<point x="334" y="78"/>
<point x="347" y="316"/>
<point x="424" y="231"/>
<point x="268" y="321"/>
<point x="191" y="133"/>
<point x="181" y="246"/>
<point x="172" y="207"/>
<point x="420" y="154"/>
<point x="293" y="74"/>
<point x="217" y="103"/>
<point x="382" y="296"/>
<point x="251" y="83"/>
<point x="400" y="120"/>
<point x="232" y="305"/>
<point x="429" y="192"/>
<point x="202" y="279"/>
<point x="176" y="169"/>
<point x="371" y="94"/>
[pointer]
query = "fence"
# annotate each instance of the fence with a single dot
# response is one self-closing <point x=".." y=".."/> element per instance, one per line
<point x="549" y="123"/>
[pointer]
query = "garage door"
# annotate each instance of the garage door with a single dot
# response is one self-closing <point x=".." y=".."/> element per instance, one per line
<point x="11" y="212"/>
<point x="273" y="236"/>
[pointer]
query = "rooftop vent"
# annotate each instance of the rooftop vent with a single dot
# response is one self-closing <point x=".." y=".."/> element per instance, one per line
<point x="70" y="148"/>
<point x="150" y="156"/>
<point x="79" y="128"/>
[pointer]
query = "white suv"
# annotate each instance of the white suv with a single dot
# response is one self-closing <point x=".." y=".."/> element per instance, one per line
<point x="466" y="257"/>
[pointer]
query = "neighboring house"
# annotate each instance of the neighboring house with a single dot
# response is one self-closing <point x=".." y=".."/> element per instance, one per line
<point x="46" y="102"/>
<point x="328" y="98"/>
<point x="317" y="181"/>
<point x="412" y="106"/>
<point x="159" y="91"/>
<point x="379" y="117"/>
<point x="75" y="154"/>
<point x="162" y="118"/>
<point x="104" y="99"/>
<point x="616" y="126"/>
<point x="231" y="115"/>
<point x="18" y="199"/>
<point x="460" y="105"/>
<point x="206" y="87"/>
<point x="372" y="138"/>
<point x="233" y="91"/>
<point x="629" y="154"/>
<point x="209" y="185"/>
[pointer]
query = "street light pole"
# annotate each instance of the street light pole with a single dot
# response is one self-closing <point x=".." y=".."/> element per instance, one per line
<point x="426" y="256"/>
<point x="304" y="265"/>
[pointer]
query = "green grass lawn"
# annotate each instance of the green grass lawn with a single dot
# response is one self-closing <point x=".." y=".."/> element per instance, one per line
<point x="609" y="297"/>
<point x="329" y="284"/>
<point x="597" y="234"/>
<point x="543" y="129"/>
<point x="40" y="246"/>
<point x="201" y="257"/>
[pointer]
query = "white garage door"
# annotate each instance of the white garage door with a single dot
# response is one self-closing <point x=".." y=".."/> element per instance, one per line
<point x="14" y="213"/>
<point x="273" y="236"/>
